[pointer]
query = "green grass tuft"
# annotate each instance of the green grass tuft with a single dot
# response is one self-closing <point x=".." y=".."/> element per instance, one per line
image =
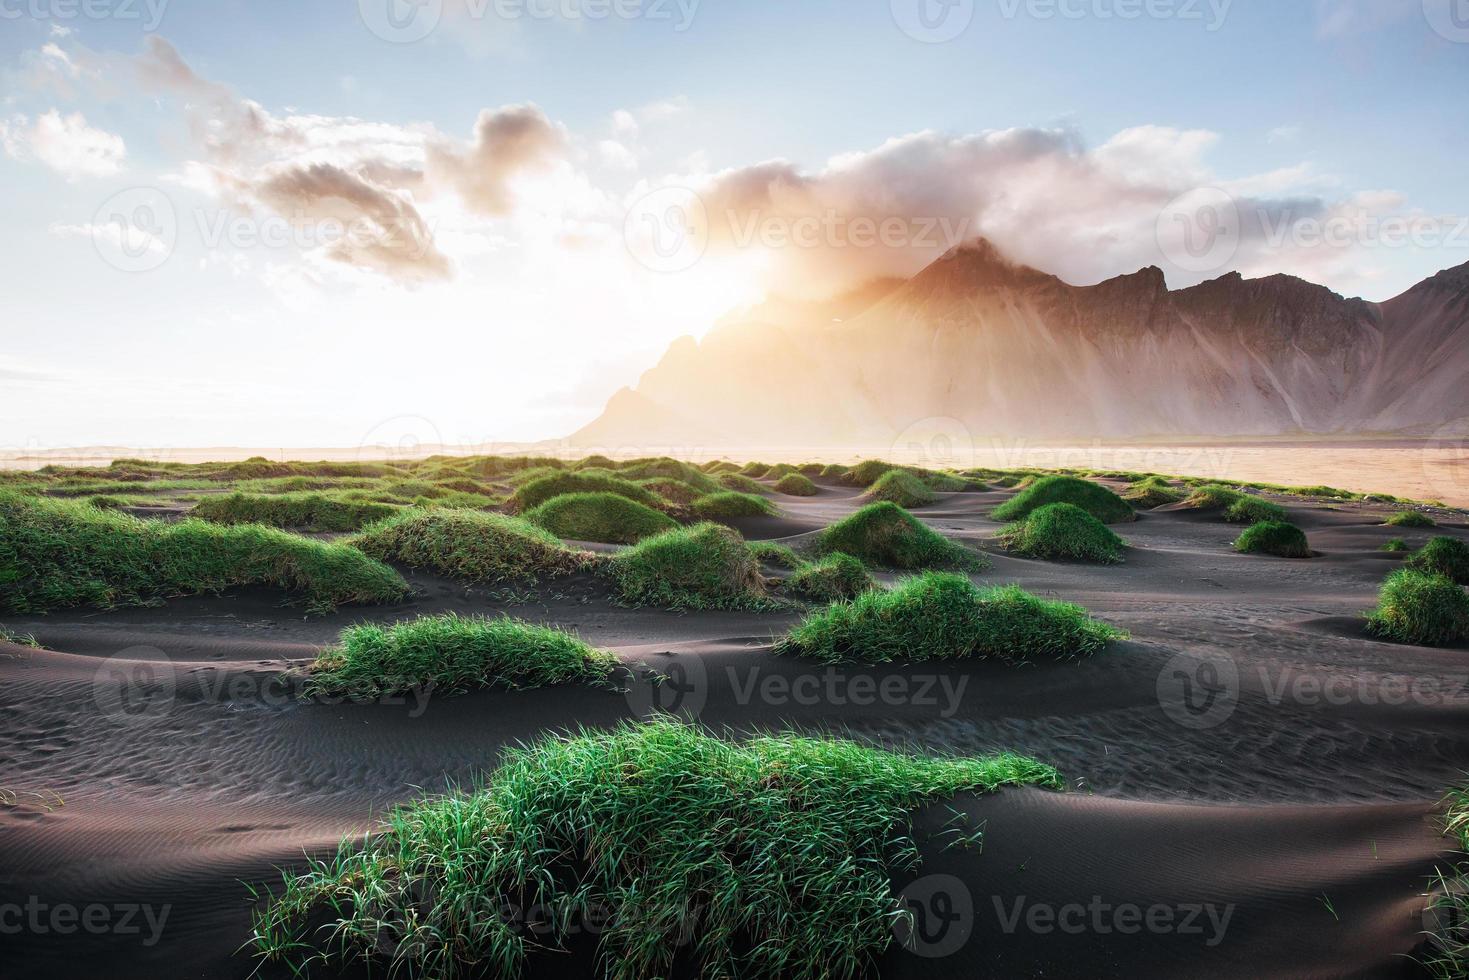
<point x="1238" y="507"/>
<point x="866" y="473"/>
<point x="755" y="470"/>
<point x="55" y="554"/>
<point x="470" y="545"/>
<point x="543" y="488"/>
<point x="1096" y="500"/>
<point x="1278" y="538"/>
<point x="707" y="566"/>
<point x="1395" y="545"/>
<point x="1063" y="531"/>
<point x="730" y="504"/>
<point x="901" y="488"/>
<point x="796" y="485"/>
<point x="1410" y="518"/>
<point x="779" y="555"/>
<point x="886" y="535"/>
<point x="297" y="511"/>
<point x="776" y="856"/>
<point x="943" y="616"/>
<point x="835" y="577"/>
<point x="455" y="654"/>
<point x="832" y="471"/>
<point x="1419" y="608"/>
<point x="1151" y="493"/>
<point x="1448" y="557"/>
<point x="740" y="483"/>
<point x="604" y="517"/>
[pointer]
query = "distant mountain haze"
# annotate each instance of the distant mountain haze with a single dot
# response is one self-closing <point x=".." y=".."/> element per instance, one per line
<point x="1008" y="351"/>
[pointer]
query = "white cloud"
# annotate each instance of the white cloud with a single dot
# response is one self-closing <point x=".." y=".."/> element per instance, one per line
<point x="66" y="144"/>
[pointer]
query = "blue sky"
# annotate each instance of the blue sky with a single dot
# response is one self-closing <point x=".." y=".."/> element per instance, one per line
<point x="517" y="311"/>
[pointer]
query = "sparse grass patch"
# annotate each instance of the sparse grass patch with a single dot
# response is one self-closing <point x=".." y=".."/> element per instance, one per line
<point x="796" y="485"/>
<point x="455" y="653"/>
<point x="55" y="554"/>
<point x="886" y="535"/>
<point x="1278" y="538"/>
<point x="707" y="566"/>
<point x="1063" y="531"/>
<point x="543" y="488"/>
<point x="835" y="577"/>
<point x="1096" y="500"/>
<point x="776" y="856"/>
<point x="603" y="517"/>
<point x="1448" y="910"/>
<point x="1395" y="545"/>
<point x="731" y="504"/>
<point x="901" y="488"/>
<point x="943" y="616"/>
<point x="1444" y="556"/>
<point x="1410" y="518"/>
<point x="1152" y="492"/>
<point x="296" y="511"/>
<point x="470" y="545"/>
<point x="1420" y="608"/>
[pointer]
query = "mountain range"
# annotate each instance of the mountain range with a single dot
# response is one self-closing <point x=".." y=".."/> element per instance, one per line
<point x="1005" y="350"/>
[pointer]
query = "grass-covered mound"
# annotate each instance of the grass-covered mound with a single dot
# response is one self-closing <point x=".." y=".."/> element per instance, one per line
<point x="1278" y="538"/>
<point x="943" y="616"/>
<point x="665" y="468"/>
<point x="834" y="577"/>
<point x="299" y="511"/>
<point x="470" y="545"/>
<point x="1417" y="607"/>
<point x="1394" y="545"/>
<point x="707" y="566"/>
<point x="674" y="491"/>
<point x="832" y="471"/>
<point x="772" y="553"/>
<point x="775" y="857"/>
<point x="867" y="472"/>
<point x="796" y="485"/>
<point x="1096" y="500"/>
<point x="1237" y="507"/>
<point x="886" y="535"/>
<point x="455" y="653"/>
<point x="730" y="504"/>
<point x="740" y="483"/>
<point x="1152" y="492"/>
<point x="901" y="488"/>
<point x="543" y="488"/>
<point x="55" y="554"/>
<point x="755" y="470"/>
<point x="780" y="470"/>
<point x="604" y="517"/>
<point x="1410" y="518"/>
<point x="1448" y="557"/>
<point x="1063" y="531"/>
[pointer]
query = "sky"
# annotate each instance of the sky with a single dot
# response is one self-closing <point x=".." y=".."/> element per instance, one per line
<point x="353" y="222"/>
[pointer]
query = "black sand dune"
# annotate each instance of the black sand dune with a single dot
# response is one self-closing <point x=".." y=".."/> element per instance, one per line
<point x="1251" y="769"/>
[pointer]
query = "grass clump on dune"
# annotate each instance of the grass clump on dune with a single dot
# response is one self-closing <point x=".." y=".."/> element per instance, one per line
<point x="943" y="616"/>
<point x="886" y="535"/>
<point x="1278" y="538"/>
<point x="779" y="470"/>
<point x="55" y="554"/>
<point x="834" y="577"/>
<point x="796" y="485"/>
<point x="1238" y="507"/>
<point x="707" y="566"/>
<point x="730" y="504"/>
<point x="755" y="470"/>
<point x="1395" y="545"/>
<point x="772" y="553"/>
<point x="602" y="517"/>
<point x="776" y="856"/>
<point x="665" y="468"/>
<point x="1063" y="531"/>
<point x="457" y="654"/>
<point x="674" y="491"/>
<point x="1448" y="557"/>
<point x="866" y="473"/>
<point x="901" y="488"/>
<point x="1420" y="608"/>
<point x="1410" y="518"/>
<point x="538" y="491"/>
<point x="470" y="545"/>
<point x="832" y="471"/>
<point x="1152" y="492"/>
<point x="300" y="511"/>
<point x="740" y="483"/>
<point x="1096" y="500"/>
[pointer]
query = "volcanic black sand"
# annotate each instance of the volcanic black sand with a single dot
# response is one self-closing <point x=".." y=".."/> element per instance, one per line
<point x="1253" y="779"/>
